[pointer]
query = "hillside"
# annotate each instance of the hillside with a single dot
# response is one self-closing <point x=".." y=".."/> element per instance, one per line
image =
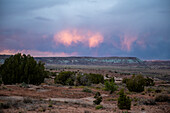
<point x="85" y="60"/>
<point x="90" y="60"/>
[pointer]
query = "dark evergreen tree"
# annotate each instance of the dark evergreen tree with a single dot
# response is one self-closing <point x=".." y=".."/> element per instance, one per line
<point x="124" y="101"/>
<point x="110" y="86"/>
<point x="95" y="78"/>
<point x="136" y="83"/>
<point x="98" y="98"/>
<point x="88" y="79"/>
<point x="149" y="82"/>
<point x="21" y="68"/>
<point x="65" y="78"/>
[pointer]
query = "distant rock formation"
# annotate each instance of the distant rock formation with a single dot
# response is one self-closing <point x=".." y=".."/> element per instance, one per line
<point x="91" y="60"/>
<point x="85" y="60"/>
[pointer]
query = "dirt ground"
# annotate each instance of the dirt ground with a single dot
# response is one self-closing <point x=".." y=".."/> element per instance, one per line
<point x="54" y="98"/>
<point x="66" y="99"/>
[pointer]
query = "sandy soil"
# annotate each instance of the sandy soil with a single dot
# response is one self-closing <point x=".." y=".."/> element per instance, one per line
<point x="69" y="100"/>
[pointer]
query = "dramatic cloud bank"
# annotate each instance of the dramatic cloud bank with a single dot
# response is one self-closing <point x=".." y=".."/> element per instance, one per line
<point x="138" y="28"/>
<point x="70" y="37"/>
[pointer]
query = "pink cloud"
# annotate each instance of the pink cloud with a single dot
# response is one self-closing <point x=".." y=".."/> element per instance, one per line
<point x="127" y="41"/>
<point x="69" y="37"/>
<point x="95" y="40"/>
<point x="37" y="53"/>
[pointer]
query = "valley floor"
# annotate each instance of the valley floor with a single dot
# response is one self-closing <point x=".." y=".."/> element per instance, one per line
<point x="67" y="99"/>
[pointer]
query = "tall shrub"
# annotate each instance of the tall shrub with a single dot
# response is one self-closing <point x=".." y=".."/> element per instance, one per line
<point x="136" y="83"/>
<point x="95" y="78"/>
<point x="98" y="98"/>
<point x="124" y="101"/>
<point x="110" y="86"/>
<point x="88" y="79"/>
<point x="149" y="82"/>
<point x="21" y="68"/>
<point x="65" y="78"/>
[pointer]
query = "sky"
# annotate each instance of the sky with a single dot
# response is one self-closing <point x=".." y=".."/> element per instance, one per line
<point x="99" y="28"/>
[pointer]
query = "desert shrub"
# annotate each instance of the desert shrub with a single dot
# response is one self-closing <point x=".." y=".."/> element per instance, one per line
<point x="50" y="103"/>
<point x="125" y="80"/>
<point x="150" y="90"/>
<point x="98" y="98"/>
<point x="136" y="83"/>
<point x="110" y="86"/>
<point x="83" y="80"/>
<point x="24" y="85"/>
<point x="135" y="104"/>
<point x="142" y="108"/>
<point x="135" y="99"/>
<point x="149" y="82"/>
<point x="112" y="79"/>
<point x="125" y="112"/>
<point x="147" y="101"/>
<point x="21" y="68"/>
<point x="99" y="107"/>
<point x="124" y="101"/>
<point x="27" y="100"/>
<point x="51" y="73"/>
<point x="98" y="86"/>
<point x="86" y="111"/>
<point x="87" y="90"/>
<point x="95" y="78"/>
<point x="88" y="79"/>
<point x="5" y="105"/>
<point x="65" y="78"/>
<point x="158" y="90"/>
<point x="162" y="98"/>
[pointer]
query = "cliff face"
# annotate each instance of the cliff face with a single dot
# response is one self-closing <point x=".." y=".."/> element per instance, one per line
<point x="90" y="60"/>
<point x="85" y="60"/>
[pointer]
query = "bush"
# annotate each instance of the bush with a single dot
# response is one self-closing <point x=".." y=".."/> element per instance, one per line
<point x="147" y="101"/>
<point x="87" y="90"/>
<point x="95" y="78"/>
<point x="21" y="68"/>
<point x="149" y="82"/>
<point x="24" y="85"/>
<point x="51" y="73"/>
<point x="88" y="79"/>
<point x="124" y="101"/>
<point x="136" y="83"/>
<point x="5" y="105"/>
<point x="27" y="100"/>
<point x="65" y="78"/>
<point x="99" y="107"/>
<point x="112" y="79"/>
<point x="150" y="90"/>
<point x="83" y="80"/>
<point x="98" y="98"/>
<point x="110" y="86"/>
<point x="125" y="80"/>
<point x="158" y="90"/>
<point x="162" y="98"/>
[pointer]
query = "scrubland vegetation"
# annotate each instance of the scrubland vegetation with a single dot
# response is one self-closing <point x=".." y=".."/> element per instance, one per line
<point x="102" y="90"/>
<point x="21" y="68"/>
